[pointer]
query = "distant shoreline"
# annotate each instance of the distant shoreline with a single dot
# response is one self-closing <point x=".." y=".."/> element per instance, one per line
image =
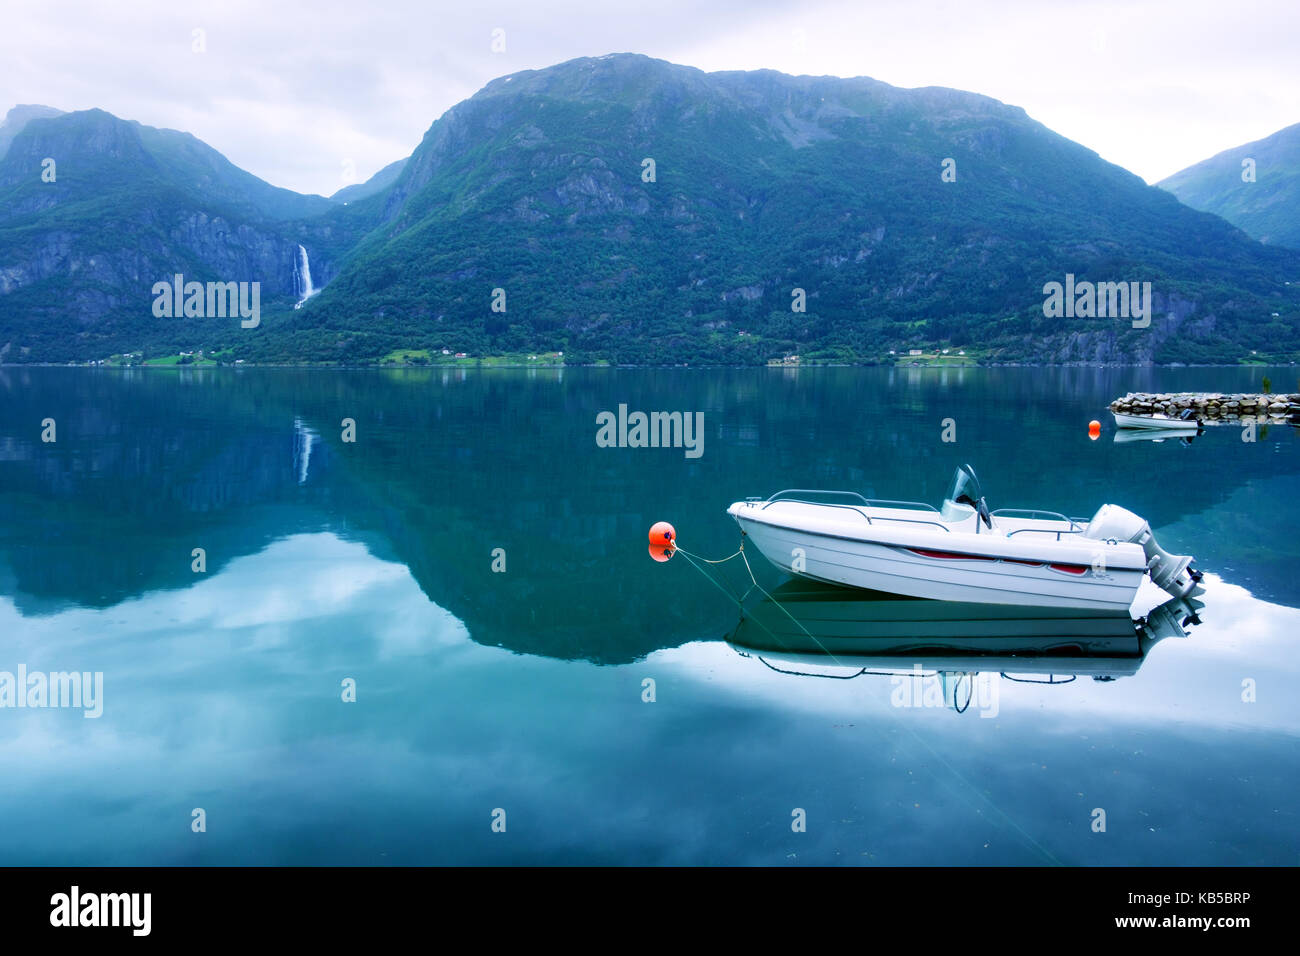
<point x="482" y="365"/>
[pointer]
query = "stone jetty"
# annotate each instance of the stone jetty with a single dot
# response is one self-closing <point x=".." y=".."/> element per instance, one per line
<point x="1212" y="407"/>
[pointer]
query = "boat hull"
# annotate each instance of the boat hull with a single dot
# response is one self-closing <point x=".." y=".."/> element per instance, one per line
<point x="935" y="568"/>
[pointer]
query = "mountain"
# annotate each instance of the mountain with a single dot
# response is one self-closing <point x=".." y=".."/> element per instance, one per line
<point x="17" y="118"/>
<point x="540" y="186"/>
<point x="122" y="206"/>
<point x="372" y="186"/>
<point x="766" y="183"/>
<point x="1267" y="208"/>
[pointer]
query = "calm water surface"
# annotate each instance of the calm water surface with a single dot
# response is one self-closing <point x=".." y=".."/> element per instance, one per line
<point x="523" y="690"/>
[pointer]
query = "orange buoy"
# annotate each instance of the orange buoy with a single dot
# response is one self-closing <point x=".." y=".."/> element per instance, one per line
<point x="662" y="552"/>
<point x="662" y="534"/>
<point x="1094" y="429"/>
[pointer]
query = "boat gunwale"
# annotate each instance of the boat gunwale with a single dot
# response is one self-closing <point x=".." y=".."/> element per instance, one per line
<point x="1139" y="558"/>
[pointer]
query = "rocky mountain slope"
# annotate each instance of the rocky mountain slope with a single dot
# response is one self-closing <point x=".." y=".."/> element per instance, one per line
<point x="632" y="210"/>
<point x="19" y="117"/>
<point x="95" y="209"/>
<point x="764" y="184"/>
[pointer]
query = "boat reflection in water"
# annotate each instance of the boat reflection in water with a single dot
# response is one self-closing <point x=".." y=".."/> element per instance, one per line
<point x="958" y="650"/>
<point x="1125" y="436"/>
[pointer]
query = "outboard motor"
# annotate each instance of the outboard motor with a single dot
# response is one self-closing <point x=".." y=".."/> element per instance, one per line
<point x="1172" y="572"/>
<point x="1170" y="619"/>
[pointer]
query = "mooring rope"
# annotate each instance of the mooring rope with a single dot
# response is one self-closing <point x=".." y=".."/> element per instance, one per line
<point x="740" y="552"/>
<point x="697" y="557"/>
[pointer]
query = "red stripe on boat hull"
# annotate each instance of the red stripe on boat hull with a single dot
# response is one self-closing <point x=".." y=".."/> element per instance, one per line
<point x="949" y="555"/>
<point x="954" y="556"/>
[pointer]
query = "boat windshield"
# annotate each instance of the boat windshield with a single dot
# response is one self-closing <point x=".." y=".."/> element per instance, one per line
<point x="965" y="489"/>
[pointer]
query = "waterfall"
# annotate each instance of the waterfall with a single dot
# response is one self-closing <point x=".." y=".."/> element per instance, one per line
<point x="304" y="438"/>
<point x="302" y="278"/>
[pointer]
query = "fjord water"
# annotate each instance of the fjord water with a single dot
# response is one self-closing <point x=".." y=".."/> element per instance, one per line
<point x="522" y="690"/>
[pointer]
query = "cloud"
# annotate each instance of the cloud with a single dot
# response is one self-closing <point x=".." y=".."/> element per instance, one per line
<point x="296" y="92"/>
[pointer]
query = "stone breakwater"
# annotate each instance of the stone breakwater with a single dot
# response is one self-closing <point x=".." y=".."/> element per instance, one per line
<point x="1211" y="406"/>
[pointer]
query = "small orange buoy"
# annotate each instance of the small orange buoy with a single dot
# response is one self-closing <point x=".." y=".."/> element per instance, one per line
<point x="661" y="552"/>
<point x="662" y="534"/>
<point x="1094" y="429"/>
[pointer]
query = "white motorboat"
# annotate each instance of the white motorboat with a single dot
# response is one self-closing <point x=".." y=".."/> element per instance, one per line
<point x="962" y="551"/>
<point x="1159" y="421"/>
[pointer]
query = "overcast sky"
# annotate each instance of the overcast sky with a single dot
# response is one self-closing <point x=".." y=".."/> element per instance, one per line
<point x="313" y="96"/>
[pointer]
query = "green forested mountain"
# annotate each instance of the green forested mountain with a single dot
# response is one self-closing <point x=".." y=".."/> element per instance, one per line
<point x="1261" y="197"/>
<point x="377" y="183"/>
<point x="95" y="209"/>
<point x="17" y="118"/>
<point x="540" y="185"/>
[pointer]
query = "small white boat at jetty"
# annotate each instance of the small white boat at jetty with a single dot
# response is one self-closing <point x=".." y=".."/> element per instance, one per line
<point x="962" y="551"/>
